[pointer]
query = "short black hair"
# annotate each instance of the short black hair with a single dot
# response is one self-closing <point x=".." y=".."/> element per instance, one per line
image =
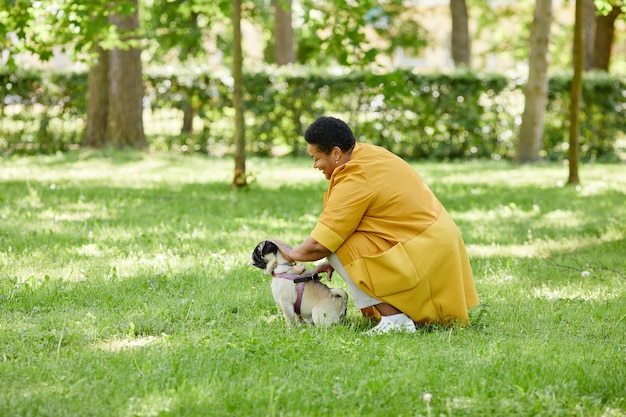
<point x="327" y="132"/>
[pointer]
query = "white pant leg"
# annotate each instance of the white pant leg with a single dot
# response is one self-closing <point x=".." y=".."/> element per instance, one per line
<point x="361" y="299"/>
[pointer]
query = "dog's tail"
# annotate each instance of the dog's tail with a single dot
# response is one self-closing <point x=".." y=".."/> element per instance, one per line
<point x="339" y="293"/>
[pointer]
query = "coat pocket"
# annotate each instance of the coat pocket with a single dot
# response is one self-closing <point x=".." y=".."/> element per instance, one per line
<point x="391" y="272"/>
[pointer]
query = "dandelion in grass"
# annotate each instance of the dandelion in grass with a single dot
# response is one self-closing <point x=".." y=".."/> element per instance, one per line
<point x="427" y="397"/>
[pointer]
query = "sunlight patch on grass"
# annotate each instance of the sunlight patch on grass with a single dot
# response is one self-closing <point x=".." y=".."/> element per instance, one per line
<point x="502" y="211"/>
<point x="153" y="405"/>
<point x="90" y="250"/>
<point x="168" y="263"/>
<point x="562" y="218"/>
<point x="262" y="174"/>
<point x="498" y="278"/>
<point x="75" y="214"/>
<point x="537" y="247"/>
<point x="512" y="210"/>
<point x="40" y="269"/>
<point x="156" y="263"/>
<point x="128" y="343"/>
<point x="600" y="185"/>
<point x="494" y="250"/>
<point x="128" y="169"/>
<point x="576" y="292"/>
<point x="496" y="174"/>
<point x="460" y="403"/>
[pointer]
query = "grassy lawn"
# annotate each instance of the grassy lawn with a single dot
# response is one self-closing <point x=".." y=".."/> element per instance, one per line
<point x="126" y="290"/>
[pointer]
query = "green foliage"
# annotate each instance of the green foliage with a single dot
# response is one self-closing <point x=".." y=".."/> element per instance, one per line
<point x="429" y="116"/>
<point x="41" y="113"/>
<point x="602" y="115"/>
<point x="180" y="26"/>
<point x="39" y="27"/>
<point x="126" y="290"/>
<point x="337" y="32"/>
<point x="494" y="27"/>
<point x="605" y="6"/>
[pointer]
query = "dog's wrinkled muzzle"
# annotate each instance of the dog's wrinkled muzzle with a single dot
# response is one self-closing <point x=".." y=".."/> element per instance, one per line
<point x="262" y="249"/>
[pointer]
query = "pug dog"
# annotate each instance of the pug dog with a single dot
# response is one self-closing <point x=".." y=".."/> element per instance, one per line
<point x="301" y="296"/>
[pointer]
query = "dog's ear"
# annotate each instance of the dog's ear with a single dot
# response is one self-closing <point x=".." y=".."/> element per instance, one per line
<point x="262" y="249"/>
<point x="271" y="263"/>
<point x="269" y="247"/>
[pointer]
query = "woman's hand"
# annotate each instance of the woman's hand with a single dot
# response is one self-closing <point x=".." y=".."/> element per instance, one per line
<point x="324" y="267"/>
<point x="283" y="248"/>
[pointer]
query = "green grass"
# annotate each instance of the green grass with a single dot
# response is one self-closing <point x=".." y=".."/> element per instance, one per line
<point x="126" y="290"/>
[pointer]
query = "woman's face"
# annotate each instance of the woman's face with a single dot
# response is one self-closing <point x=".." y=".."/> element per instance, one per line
<point x="324" y="162"/>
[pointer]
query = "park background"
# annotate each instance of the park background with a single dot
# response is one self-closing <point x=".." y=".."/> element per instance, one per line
<point x="427" y="79"/>
<point x="148" y="146"/>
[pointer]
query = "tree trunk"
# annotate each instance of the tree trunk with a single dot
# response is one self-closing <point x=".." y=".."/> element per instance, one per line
<point x="125" y="126"/>
<point x="283" y="33"/>
<point x="605" y="29"/>
<point x="97" y="101"/>
<point x="590" y="31"/>
<point x="576" y="94"/>
<point x="188" y="114"/>
<point x="189" y="111"/>
<point x="536" y="91"/>
<point x="461" y="50"/>
<point x="239" y="179"/>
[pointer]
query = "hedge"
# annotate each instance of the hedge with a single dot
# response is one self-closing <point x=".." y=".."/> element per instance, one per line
<point x="436" y="116"/>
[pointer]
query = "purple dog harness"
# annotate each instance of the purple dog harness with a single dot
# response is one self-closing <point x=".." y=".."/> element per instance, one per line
<point x="297" y="279"/>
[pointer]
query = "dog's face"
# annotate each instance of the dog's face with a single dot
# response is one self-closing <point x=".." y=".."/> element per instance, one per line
<point x="260" y="256"/>
<point x="267" y="257"/>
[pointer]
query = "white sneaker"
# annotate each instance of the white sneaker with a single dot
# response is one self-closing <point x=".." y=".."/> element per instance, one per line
<point x="386" y="325"/>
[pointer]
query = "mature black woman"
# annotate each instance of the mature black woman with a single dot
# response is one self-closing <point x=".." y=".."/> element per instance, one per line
<point x="386" y="234"/>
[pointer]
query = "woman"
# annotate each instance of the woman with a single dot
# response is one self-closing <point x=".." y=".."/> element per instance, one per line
<point x="386" y="234"/>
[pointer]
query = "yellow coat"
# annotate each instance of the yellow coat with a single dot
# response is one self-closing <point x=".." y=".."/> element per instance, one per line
<point x="395" y="239"/>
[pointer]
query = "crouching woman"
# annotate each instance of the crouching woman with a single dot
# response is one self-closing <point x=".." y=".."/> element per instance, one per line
<point x="386" y="234"/>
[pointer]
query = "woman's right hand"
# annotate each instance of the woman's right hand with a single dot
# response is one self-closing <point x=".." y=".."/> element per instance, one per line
<point x="283" y="248"/>
<point x="324" y="267"/>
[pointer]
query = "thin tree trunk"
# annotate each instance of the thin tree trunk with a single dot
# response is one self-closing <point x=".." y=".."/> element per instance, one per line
<point x="188" y="109"/>
<point x="239" y="179"/>
<point x="97" y="101"/>
<point x="283" y="33"/>
<point x="536" y="91"/>
<point x="590" y="31"/>
<point x="576" y="94"/>
<point x="460" y="33"/>
<point x="125" y="125"/>
<point x="188" y="114"/>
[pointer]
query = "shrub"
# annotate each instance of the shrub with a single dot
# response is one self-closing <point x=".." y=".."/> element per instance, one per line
<point x="435" y="116"/>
